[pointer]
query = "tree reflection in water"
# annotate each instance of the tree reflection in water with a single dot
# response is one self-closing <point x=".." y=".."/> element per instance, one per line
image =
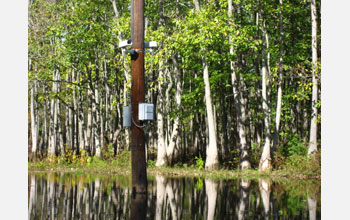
<point x="70" y="196"/>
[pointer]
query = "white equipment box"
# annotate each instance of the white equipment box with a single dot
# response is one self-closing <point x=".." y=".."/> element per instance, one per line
<point x="146" y="111"/>
<point x="127" y="116"/>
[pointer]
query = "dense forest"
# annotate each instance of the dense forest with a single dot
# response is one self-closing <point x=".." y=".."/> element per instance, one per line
<point x="234" y="82"/>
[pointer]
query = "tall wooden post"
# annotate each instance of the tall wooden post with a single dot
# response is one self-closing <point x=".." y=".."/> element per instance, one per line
<point x="138" y="156"/>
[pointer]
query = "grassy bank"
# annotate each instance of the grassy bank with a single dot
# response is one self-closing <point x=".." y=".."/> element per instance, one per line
<point x="294" y="167"/>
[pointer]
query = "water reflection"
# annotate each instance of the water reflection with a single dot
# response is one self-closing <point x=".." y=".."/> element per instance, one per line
<point x="69" y="196"/>
<point x="243" y="200"/>
<point x="265" y="191"/>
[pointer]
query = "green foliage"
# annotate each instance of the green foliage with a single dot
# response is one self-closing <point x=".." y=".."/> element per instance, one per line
<point x="108" y="152"/>
<point x="151" y="163"/>
<point x="294" y="146"/>
<point x="199" y="163"/>
<point x="199" y="184"/>
<point x="302" y="165"/>
<point x="123" y="160"/>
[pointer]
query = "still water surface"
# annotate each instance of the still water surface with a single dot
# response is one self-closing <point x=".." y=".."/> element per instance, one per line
<point x="91" y="196"/>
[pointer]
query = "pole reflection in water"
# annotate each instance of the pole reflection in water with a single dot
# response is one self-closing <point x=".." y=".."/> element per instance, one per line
<point x="69" y="196"/>
<point x="138" y="206"/>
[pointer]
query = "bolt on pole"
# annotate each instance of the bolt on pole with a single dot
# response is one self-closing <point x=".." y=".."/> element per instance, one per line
<point x="138" y="155"/>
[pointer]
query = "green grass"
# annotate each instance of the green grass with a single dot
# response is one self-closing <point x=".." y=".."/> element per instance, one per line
<point x="292" y="167"/>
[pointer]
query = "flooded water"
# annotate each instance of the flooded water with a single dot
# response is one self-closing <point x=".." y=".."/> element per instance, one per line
<point x="90" y="196"/>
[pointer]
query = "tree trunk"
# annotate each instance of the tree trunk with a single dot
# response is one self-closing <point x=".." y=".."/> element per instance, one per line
<point x="280" y="81"/>
<point x="89" y="122"/>
<point x="58" y="118"/>
<point x="265" y="160"/>
<point x="44" y="132"/>
<point x="172" y="153"/>
<point x="96" y="122"/>
<point x="313" y="126"/>
<point x="239" y="107"/>
<point x="212" y="161"/>
<point x="53" y="119"/>
<point x="161" y="152"/>
<point x="33" y="121"/>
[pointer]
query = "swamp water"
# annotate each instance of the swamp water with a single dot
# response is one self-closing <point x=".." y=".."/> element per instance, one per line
<point x="95" y="196"/>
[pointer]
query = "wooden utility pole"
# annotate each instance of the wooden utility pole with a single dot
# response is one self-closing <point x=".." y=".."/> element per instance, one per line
<point x="138" y="155"/>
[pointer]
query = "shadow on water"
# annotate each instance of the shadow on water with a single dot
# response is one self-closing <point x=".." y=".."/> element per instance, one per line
<point x="87" y="196"/>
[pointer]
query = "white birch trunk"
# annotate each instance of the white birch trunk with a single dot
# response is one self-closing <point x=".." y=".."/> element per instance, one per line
<point x="59" y="131"/>
<point x="280" y="81"/>
<point x="265" y="160"/>
<point x="89" y="122"/>
<point x="171" y="151"/>
<point x="34" y="124"/>
<point x="45" y="135"/>
<point x="161" y="152"/>
<point x="313" y="126"/>
<point x="96" y="123"/>
<point x="167" y="104"/>
<point x="80" y="117"/>
<point x="58" y="120"/>
<point x="211" y="191"/>
<point x="53" y="121"/>
<point x="212" y="161"/>
<point x="69" y="126"/>
<point x="239" y="106"/>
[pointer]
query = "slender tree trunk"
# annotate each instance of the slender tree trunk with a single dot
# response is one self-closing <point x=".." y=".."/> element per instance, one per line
<point x="239" y="107"/>
<point x="53" y="120"/>
<point x="59" y="129"/>
<point x="33" y="122"/>
<point x="280" y="81"/>
<point x="265" y="160"/>
<point x="313" y="126"/>
<point x="58" y="118"/>
<point x="96" y="122"/>
<point x="161" y="152"/>
<point x="212" y="161"/>
<point x="171" y="151"/>
<point x="89" y="122"/>
<point x="45" y="136"/>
